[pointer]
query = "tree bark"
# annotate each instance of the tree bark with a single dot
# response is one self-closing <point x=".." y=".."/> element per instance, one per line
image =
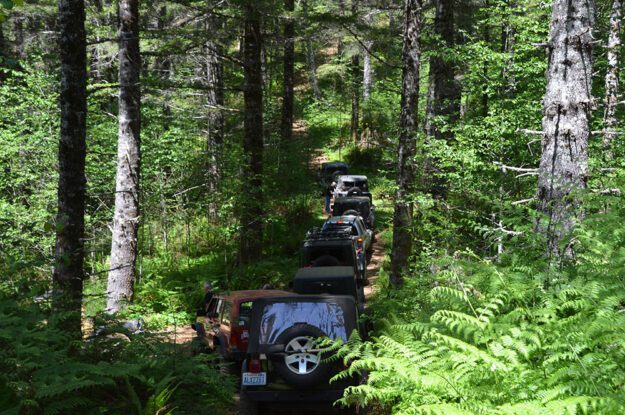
<point x="339" y="44"/>
<point x="443" y="102"/>
<point x="444" y="91"/>
<point x="286" y="127"/>
<point x="367" y="71"/>
<point x="214" y="80"/>
<point x="354" y="69"/>
<point x="3" y="55"/>
<point x="70" y="227"/>
<point x="310" y="58"/>
<point x="508" y="40"/>
<point x="406" y="148"/>
<point x="124" y="246"/>
<point x="567" y="104"/>
<point x="611" y="77"/>
<point x="252" y="203"/>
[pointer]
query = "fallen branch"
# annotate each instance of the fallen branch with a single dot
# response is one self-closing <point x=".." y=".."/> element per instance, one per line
<point x="603" y="132"/>
<point x="519" y="202"/>
<point x="610" y="192"/>
<point x="526" y="131"/>
<point x="531" y="173"/>
<point x="505" y="168"/>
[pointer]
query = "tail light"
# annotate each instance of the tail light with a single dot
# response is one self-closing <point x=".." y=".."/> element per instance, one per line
<point x="234" y="338"/>
<point x="360" y="241"/>
<point x="254" y="366"/>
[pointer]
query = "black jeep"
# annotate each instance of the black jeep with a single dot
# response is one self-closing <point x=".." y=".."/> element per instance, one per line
<point x="330" y="280"/>
<point x="329" y="172"/>
<point x="332" y="248"/>
<point x="285" y="362"/>
<point x="358" y="205"/>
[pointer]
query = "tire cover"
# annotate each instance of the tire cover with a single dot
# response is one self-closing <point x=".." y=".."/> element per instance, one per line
<point x="301" y="369"/>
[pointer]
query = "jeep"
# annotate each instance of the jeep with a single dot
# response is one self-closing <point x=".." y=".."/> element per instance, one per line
<point x="348" y="185"/>
<point x="285" y="362"/>
<point x="225" y="327"/>
<point x="332" y="248"/>
<point x="330" y="280"/>
<point x="328" y="172"/>
<point x="356" y="205"/>
<point x="355" y="225"/>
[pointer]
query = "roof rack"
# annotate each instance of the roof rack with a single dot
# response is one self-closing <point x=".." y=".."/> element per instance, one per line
<point x="317" y="234"/>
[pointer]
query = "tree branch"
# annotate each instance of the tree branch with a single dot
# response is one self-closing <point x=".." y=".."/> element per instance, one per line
<point x="505" y="168"/>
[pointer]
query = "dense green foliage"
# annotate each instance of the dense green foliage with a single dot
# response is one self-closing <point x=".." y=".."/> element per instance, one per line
<point x="509" y="338"/>
<point x="45" y="373"/>
<point x="483" y="325"/>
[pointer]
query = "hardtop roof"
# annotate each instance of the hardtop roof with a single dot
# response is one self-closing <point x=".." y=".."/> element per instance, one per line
<point x="249" y="295"/>
<point x="333" y="164"/>
<point x="352" y="199"/>
<point x="325" y="272"/>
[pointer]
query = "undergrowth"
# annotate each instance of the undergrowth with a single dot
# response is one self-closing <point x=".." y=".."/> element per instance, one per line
<point x="514" y="337"/>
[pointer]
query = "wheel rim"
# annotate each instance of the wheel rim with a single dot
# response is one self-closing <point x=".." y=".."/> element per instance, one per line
<point x="302" y="355"/>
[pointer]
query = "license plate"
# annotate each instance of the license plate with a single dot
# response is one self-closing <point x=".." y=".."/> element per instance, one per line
<point x="254" y="379"/>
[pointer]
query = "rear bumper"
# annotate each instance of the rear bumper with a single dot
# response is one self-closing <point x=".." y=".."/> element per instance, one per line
<point x="324" y="395"/>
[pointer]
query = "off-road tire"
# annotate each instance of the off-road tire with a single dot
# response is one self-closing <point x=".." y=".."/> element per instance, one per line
<point x="315" y="376"/>
<point x="326" y="261"/>
<point x="351" y="212"/>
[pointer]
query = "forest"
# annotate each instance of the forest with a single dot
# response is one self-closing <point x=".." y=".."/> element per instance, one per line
<point x="150" y="149"/>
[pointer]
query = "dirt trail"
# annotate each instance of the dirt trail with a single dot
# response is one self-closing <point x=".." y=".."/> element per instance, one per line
<point x="374" y="266"/>
<point x="373" y="269"/>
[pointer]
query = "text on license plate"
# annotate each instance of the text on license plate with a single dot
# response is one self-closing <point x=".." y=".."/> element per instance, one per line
<point x="254" y="379"/>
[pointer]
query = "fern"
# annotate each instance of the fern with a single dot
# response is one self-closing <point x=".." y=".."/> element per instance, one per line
<point x="510" y="339"/>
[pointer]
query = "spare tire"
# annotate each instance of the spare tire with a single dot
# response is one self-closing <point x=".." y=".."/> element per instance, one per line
<point x="354" y="191"/>
<point x="302" y="365"/>
<point x="326" y="261"/>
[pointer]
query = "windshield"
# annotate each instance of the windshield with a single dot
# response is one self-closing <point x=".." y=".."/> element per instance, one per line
<point x="278" y="317"/>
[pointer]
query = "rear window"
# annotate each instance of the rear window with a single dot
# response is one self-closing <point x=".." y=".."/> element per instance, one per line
<point x="278" y="317"/>
<point x="245" y="310"/>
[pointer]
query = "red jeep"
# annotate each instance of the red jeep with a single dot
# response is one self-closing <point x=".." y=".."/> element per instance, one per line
<point x="225" y="328"/>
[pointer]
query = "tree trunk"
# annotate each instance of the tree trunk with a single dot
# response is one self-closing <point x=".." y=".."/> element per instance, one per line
<point x="486" y="81"/>
<point x="339" y="44"/>
<point x="70" y="227"/>
<point x="18" y="34"/>
<point x="444" y="91"/>
<point x="3" y="55"/>
<point x="252" y="194"/>
<point x="406" y="148"/>
<point x="310" y="58"/>
<point x="121" y="276"/>
<point x="611" y="77"/>
<point x="508" y="39"/>
<point x="214" y="79"/>
<point x="286" y="127"/>
<point x="163" y="67"/>
<point x="443" y="102"/>
<point x="367" y="71"/>
<point x="354" y="69"/>
<point x="567" y="105"/>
